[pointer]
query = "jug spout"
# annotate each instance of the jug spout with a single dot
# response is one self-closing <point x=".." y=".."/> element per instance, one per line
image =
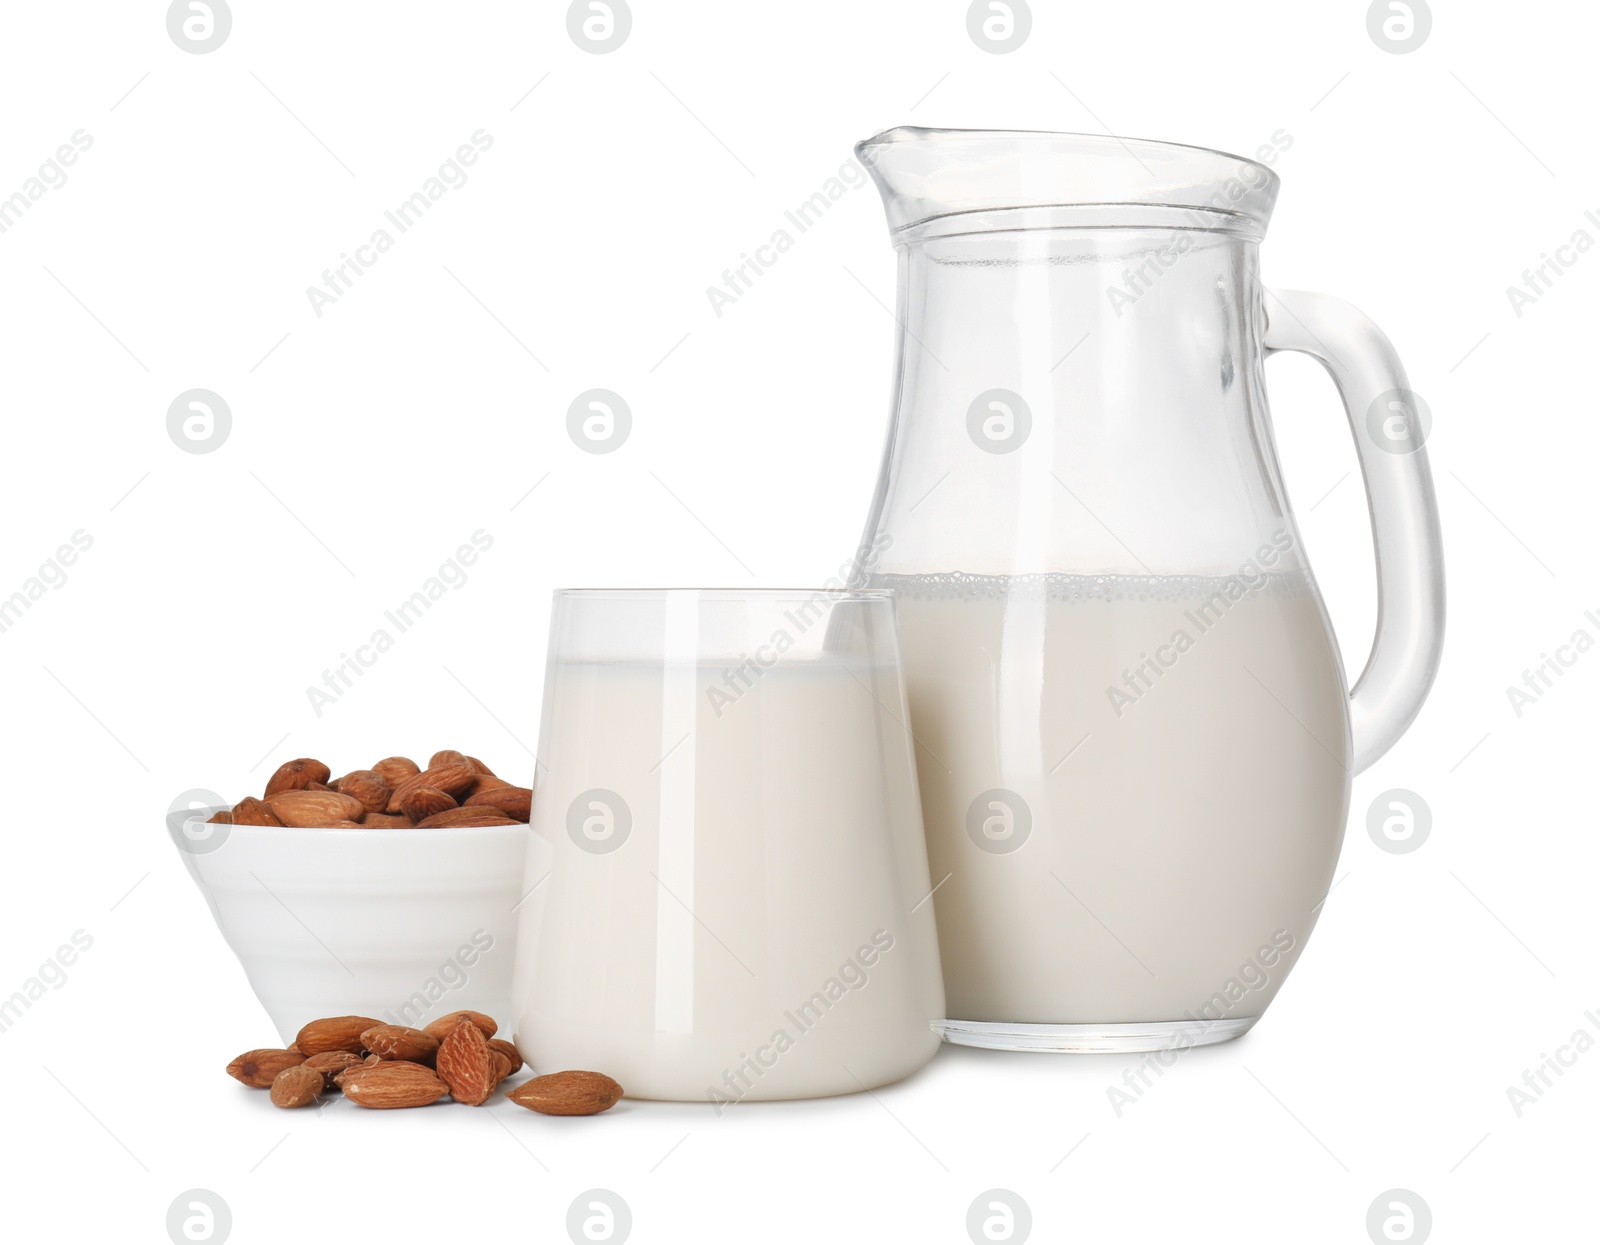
<point x="1003" y="179"/>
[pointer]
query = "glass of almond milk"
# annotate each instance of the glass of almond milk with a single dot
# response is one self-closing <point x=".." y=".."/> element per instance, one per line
<point x="727" y="896"/>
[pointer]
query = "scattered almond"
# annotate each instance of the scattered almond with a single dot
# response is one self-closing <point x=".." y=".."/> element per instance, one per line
<point x="332" y="1062"/>
<point x="480" y="767"/>
<point x="399" y="1042"/>
<point x="296" y="776"/>
<point x="513" y="1057"/>
<point x="423" y="802"/>
<point x="445" y="1025"/>
<point x="465" y="1065"/>
<point x="567" y="1093"/>
<point x="509" y="801"/>
<point x="371" y="1061"/>
<point x="314" y="808"/>
<point x="258" y="1068"/>
<point x="448" y="756"/>
<point x="334" y="1033"/>
<point x="253" y="812"/>
<point x="297" y="1086"/>
<point x="384" y="1066"/>
<point x="392" y="1084"/>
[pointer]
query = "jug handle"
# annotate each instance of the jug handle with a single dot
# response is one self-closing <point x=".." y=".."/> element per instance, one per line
<point x="1389" y="431"/>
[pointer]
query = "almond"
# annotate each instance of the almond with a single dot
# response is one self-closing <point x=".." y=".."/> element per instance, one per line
<point x="453" y="779"/>
<point x="465" y="819"/>
<point x="465" y="1065"/>
<point x="222" y="817"/>
<point x="314" y="808"/>
<point x="499" y="1067"/>
<point x="448" y="756"/>
<point x="485" y="782"/>
<point x="297" y="1086"/>
<point x="395" y="770"/>
<point x="424" y="802"/>
<point x="399" y="1042"/>
<point x="390" y="821"/>
<point x="296" y="776"/>
<point x="369" y="788"/>
<point x="335" y="1033"/>
<point x="392" y="1084"/>
<point x="567" y="1093"/>
<point x="253" y="812"/>
<point x="513" y="1057"/>
<point x="341" y="825"/>
<point x="332" y="1062"/>
<point x="258" y="1068"/>
<point x="445" y="1025"/>
<point x="371" y="1061"/>
<point x="513" y="802"/>
<point x="339" y="1077"/>
<point x="480" y="766"/>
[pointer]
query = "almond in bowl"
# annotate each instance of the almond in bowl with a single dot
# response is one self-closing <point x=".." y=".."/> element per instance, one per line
<point x="336" y="900"/>
<point x="395" y="794"/>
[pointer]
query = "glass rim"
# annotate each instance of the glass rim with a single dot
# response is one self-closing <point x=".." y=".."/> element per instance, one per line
<point x="729" y="594"/>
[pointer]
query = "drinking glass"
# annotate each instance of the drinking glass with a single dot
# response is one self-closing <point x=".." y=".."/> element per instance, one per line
<point x="727" y="895"/>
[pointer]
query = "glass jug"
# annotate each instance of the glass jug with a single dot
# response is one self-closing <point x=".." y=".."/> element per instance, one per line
<point x="1133" y="733"/>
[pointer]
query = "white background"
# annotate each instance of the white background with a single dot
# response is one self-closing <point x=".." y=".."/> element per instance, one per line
<point x="369" y="442"/>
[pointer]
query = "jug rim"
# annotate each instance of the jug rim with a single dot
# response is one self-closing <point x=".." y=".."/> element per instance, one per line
<point x="925" y="174"/>
<point x="923" y="133"/>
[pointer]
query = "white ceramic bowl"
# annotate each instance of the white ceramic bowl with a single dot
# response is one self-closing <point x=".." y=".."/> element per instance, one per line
<point x="400" y="925"/>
